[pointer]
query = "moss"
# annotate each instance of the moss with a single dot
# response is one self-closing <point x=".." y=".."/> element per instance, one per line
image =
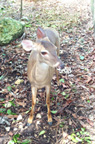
<point x="10" y="30"/>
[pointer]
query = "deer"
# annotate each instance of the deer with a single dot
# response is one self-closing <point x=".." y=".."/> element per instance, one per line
<point x="42" y="62"/>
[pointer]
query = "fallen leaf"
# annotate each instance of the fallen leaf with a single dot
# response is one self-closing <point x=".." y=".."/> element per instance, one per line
<point x="21" y="103"/>
<point x="9" y="88"/>
<point x="12" y="116"/>
<point x="54" y="112"/>
<point x="81" y="57"/>
<point x="90" y="122"/>
<point x="10" y="133"/>
<point x="88" y="79"/>
<point x="42" y="132"/>
<point x="74" y="115"/>
<point x="19" y="81"/>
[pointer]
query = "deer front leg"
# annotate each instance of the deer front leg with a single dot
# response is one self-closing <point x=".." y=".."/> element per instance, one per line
<point x="34" y="93"/>
<point x="48" y="104"/>
<point x="57" y="76"/>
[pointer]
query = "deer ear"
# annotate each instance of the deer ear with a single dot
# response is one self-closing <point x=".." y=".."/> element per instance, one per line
<point x="46" y="39"/>
<point x="40" y="33"/>
<point x="27" y="45"/>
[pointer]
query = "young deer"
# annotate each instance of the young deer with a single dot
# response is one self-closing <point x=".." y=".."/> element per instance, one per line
<point x="41" y="64"/>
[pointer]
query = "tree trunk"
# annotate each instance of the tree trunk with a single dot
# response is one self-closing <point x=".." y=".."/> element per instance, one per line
<point x="21" y="10"/>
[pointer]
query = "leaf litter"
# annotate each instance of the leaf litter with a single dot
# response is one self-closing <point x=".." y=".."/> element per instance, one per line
<point x="73" y="103"/>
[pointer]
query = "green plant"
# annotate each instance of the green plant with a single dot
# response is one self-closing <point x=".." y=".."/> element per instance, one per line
<point x="2" y="110"/>
<point x="61" y="125"/>
<point x="28" y="25"/>
<point x="88" y="101"/>
<point x="1" y="77"/>
<point x="54" y="111"/>
<point x="65" y="95"/>
<point x="9" y="112"/>
<point x="9" y="88"/>
<point x="15" y="138"/>
<point x="81" y="136"/>
<point x="6" y="106"/>
<point x="42" y="132"/>
<point x="62" y="80"/>
<point x="9" y="104"/>
<point x="16" y="141"/>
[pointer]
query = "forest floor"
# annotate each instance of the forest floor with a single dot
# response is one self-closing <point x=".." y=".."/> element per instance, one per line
<point x="73" y="103"/>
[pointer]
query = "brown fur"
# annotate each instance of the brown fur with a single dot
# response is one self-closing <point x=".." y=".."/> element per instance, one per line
<point x="41" y="65"/>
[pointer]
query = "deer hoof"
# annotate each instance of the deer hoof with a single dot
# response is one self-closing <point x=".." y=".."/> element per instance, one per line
<point x="28" y="124"/>
<point x="50" y="123"/>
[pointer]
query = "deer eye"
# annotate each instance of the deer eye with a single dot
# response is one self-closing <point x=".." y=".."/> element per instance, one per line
<point x="43" y="53"/>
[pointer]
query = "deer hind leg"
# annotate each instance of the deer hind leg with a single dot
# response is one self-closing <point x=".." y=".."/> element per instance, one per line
<point x="58" y="50"/>
<point x="57" y="76"/>
<point x="34" y="93"/>
<point x="48" y="104"/>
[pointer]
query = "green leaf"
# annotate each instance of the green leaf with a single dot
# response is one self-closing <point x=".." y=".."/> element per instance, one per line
<point x="81" y="57"/>
<point x="52" y="98"/>
<point x="83" y="129"/>
<point x="53" y="26"/>
<point x="73" y="137"/>
<point x="88" y="101"/>
<point x="62" y="80"/>
<point x="87" y="138"/>
<point x="28" y="25"/>
<point x="42" y="132"/>
<point x="10" y="62"/>
<point x="15" y="137"/>
<point x="2" y="110"/>
<point x="29" y="110"/>
<point x="11" y="142"/>
<point x="61" y="125"/>
<point x="3" y="54"/>
<point x="9" y="88"/>
<point x="67" y="95"/>
<point x="12" y="103"/>
<point x="26" y="141"/>
<point x="7" y="105"/>
<point x="54" y="112"/>
<point x="9" y="112"/>
<point x="13" y="86"/>
<point x="78" y="139"/>
<point x="78" y="134"/>
<point x="63" y="93"/>
<point x="85" y="69"/>
<point x="1" y="77"/>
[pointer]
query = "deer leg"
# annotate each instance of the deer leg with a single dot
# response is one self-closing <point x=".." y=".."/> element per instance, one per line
<point x="48" y="104"/>
<point x="57" y="76"/>
<point x="56" y="71"/>
<point x="34" y="93"/>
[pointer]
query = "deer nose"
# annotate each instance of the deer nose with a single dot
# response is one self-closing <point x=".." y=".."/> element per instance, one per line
<point x="61" y="66"/>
